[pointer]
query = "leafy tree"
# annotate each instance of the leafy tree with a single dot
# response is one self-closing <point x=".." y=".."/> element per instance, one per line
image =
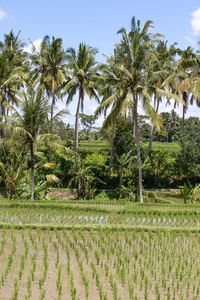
<point x="87" y="121"/>
<point x="160" y="135"/>
<point x="60" y="128"/>
<point x="123" y="140"/>
<point x="171" y="127"/>
<point x="188" y="159"/>
<point x="97" y="164"/>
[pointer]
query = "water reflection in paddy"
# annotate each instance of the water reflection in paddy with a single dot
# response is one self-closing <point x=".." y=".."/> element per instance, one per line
<point x="73" y="218"/>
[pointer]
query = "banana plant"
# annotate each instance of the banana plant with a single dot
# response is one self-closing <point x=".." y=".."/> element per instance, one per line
<point x="13" y="171"/>
<point x="123" y="160"/>
<point x="85" y="181"/>
<point x="39" y="185"/>
<point x="187" y="192"/>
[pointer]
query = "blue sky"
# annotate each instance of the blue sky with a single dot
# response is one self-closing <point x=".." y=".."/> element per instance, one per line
<point x="96" y="23"/>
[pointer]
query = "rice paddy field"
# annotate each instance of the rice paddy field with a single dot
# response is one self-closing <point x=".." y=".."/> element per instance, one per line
<point x="95" y="146"/>
<point x="104" y="249"/>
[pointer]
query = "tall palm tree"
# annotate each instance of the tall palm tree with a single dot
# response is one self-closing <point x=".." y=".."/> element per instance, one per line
<point x="15" y="49"/>
<point x="49" y="71"/>
<point x="129" y="81"/>
<point x="82" y="72"/>
<point x="12" y="79"/>
<point x="107" y="90"/>
<point x="161" y="63"/>
<point x="13" y="42"/>
<point x="12" y="71"/>
<point x="181" y="78"/>
<point x="195" y="78"/>
<point x="188" y="59"/>
<point x="173" y="122"/>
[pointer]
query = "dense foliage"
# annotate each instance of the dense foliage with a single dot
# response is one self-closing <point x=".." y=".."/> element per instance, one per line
<point x="36" y="146"/>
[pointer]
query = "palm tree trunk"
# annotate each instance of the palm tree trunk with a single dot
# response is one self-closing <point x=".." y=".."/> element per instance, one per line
<point x="184" y="111"/>
<point x="150" y="141"/>
<point x="51" y="124"/>
<point x="133" y="124"/>
<point x="32" y="172"/>
<point x="120" y="182"/>
<point x="138" y="148"/>
<point x="8" y="130"/>
<point x="183" y="119"/>
<point x="134" y="130"/>
<point x="111" y="151"/>
<point x="152" y="131"/>
<point x="76" y="129"/>
<point x="1" y="119"/>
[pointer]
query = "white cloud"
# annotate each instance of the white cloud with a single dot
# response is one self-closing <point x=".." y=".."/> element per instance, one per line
<point x="3" y="14"/>
<point x="187" y="38"/>
<point x="192" y="111"/>
<point x="67" y="118"/>
<point x="87" y="99"/>
<point x="195" y="22"/>
<point x="60" y="106"/>
<point x="99" y="121"/>
<point x="91" y="108"/>
<point x="36" y="43"/>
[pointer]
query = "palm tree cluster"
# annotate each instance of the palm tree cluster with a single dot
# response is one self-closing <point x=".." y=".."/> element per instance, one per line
<point x="141" y="70"/>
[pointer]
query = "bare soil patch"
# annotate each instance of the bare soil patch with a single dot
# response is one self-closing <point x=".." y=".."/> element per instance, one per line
<point x="71" y="195"/>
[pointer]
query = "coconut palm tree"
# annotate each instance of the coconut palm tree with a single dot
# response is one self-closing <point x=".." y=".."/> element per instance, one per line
<point x="195" y="79"/>
<point x="161" y="63"/>
<point x="12" y="71"/>
<point x="49" y="71"/>
<point x="188" y="60"/>
<point x="15" y="50"/>
<point x="28" y="122"/>
<point x="12" y="79"/>
<point x="82" y="73"/>
<point x="130" y="79"/>
<point x="181" y="80"/>
<point x="107" y="90"/>
<point x="12" y="42"/>
<point x="172" y="122"/>
<point x="34" y="109"/>
<point x="33" y="112"/>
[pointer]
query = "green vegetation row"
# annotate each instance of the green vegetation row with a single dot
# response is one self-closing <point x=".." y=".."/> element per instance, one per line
<point x="64" y="216"/>
<point x="39" y="150"/>
<point x="100" y="205"/>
